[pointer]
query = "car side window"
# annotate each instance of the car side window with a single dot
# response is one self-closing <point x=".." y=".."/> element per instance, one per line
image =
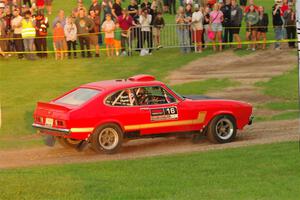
<point x="153" y="95"/>
<point x="122" y="98"/>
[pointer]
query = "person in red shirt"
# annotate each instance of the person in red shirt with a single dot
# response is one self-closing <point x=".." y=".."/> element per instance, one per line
<point x="284" y="7"/>
<point x="40" y="5"/>
<point x="210" y="3"/>
<point x="247" y="8"/>
<point x="125" y="22"/>
<point x="58" y="40"/>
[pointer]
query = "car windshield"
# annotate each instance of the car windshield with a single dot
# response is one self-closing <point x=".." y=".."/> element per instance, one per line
<point x="78" y="97"/>
<point x="179" y="95"/>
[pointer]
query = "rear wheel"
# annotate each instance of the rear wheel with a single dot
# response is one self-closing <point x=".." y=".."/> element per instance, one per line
<point x="107" y="138"/>
<point x="222" y="129"/>
<point x="68" y="142"/>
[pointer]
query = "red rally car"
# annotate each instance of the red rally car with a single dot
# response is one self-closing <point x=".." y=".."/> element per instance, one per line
<point x="107" y="112"/>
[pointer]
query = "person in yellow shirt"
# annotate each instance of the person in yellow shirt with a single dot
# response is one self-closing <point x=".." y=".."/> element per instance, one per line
<point x="28" y="34"/>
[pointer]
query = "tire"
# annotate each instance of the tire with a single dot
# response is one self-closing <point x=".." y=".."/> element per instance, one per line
<point x="68" y="142"/>
<point x="107" y="138"/>
<point x="222" y="129"/>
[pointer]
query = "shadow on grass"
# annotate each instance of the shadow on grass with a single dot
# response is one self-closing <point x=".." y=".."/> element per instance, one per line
<point x="28" y="118"/>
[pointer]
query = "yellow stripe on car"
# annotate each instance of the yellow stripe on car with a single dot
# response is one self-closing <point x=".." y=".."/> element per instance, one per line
<point x="200" y="119"/>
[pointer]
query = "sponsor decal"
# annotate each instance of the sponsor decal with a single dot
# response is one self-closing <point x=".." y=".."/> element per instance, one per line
<point x="161" y="114"/>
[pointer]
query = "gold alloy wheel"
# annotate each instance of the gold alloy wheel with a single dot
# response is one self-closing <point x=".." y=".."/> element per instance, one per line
<point x="108" y="138"/>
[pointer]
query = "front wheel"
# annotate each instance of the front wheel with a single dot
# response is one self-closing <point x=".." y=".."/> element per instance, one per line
<point x="107" y="138"/>
<point x="222" y="129"/>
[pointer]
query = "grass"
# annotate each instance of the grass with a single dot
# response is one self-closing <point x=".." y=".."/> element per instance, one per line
<point x="202" y="87"/>
<point x="281" y="106"/>
<point x="243" y="173"/>
<point x="286" y="115"/>
<point x="284" y="86"/>
<point x="19" y="143"/>
<point x="284" y="89"/>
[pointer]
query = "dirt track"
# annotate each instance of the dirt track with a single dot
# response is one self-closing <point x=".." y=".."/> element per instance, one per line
<point x="261" y="133"/>
<point x="247" y="70"/>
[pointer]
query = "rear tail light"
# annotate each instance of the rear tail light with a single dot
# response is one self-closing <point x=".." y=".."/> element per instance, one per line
<point x="60" y="123"/>
<point x="39" y="119"/>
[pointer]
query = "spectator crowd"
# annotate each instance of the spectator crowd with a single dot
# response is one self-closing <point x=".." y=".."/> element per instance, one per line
<point x="24" y="26"/>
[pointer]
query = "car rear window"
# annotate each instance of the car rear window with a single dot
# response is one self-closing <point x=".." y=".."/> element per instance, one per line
<point x="78" y="97"/>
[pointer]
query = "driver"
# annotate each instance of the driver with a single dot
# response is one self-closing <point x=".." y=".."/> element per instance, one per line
<point x="142" y="96"/>
<point x="130" y="97"/>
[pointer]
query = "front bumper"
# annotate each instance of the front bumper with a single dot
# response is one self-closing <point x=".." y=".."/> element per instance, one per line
<point x="251" y="120"/>
<point x="62" y="131"/>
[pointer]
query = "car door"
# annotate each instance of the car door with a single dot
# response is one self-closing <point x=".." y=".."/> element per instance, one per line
<point x="160" y="112"/>
<point x="122" y="108"/>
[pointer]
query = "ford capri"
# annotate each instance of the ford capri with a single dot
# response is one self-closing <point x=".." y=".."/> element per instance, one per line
<point x="104" y="114"/>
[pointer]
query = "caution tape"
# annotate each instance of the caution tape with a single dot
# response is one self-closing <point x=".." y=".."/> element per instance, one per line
<point x="53" y="51"/>
<point x="102" y="32"/>
<point x="105" y="49"/>
<point x="256" y="27"/>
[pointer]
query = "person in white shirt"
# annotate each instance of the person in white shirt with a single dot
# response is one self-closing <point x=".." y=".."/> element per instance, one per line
<point x="70" y="30"/>
<point x="145" y="21"/>
<point x="108" y="27"/>
<point x="197" y="28"/>
<point x="16" y="24"/>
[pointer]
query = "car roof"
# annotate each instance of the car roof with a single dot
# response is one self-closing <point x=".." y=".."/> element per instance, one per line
<point x="120" y="84"/>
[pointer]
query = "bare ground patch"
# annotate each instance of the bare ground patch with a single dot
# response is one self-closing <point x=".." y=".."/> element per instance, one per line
<point x="260" y="66"/>
<point x="247" y="70"/>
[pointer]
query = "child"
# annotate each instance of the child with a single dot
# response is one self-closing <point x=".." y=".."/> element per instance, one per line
<point x="58" y="39"/>
<point x="108" y="27"/>
<point x="158" y="24"/>
<point x="70" y="31"/>
<point x="117" y="39"/>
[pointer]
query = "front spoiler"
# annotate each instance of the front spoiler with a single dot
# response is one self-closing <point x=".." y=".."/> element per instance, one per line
<point x="47" y="128"/>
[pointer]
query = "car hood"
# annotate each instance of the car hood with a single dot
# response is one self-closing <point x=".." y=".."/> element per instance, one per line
<point x="213" y="100"/>
<point x="199" y="97"/>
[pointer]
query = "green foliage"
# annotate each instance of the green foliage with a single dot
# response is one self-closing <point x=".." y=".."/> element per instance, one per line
<point x="242" y="173"/>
